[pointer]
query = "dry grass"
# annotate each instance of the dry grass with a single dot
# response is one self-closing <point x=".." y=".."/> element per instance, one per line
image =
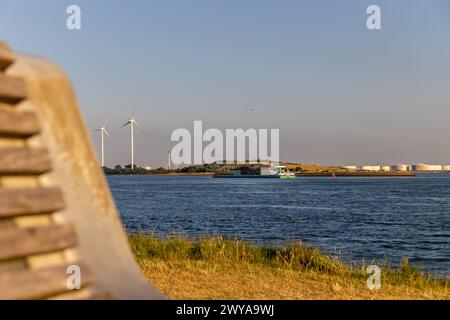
<point x="314" y="168"/>
<point x="216" y="268"/>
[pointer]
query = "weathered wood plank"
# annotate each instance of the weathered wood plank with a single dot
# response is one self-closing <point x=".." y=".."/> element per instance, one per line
<point x="29" y="201"/>
<point x="18" y="123"/>
<point x="12" y="90"/>
<point x="6" y="59"/>
<point x="18" y="242"/>
<point x="24" y="160"/>
<point x="40" y="283"/>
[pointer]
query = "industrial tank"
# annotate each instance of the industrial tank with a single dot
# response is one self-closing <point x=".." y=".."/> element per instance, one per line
<point x="426" y="167"/>
<point x="400" y="167"/>
<point x="370" y="168"/>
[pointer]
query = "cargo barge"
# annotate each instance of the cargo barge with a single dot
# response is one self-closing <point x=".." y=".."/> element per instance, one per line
<point x="273" y="172"/>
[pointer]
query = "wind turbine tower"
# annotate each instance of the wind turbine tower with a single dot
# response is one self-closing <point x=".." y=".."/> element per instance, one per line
<point x="103" y="132"/>
<point x="132" y="123"/>
<point x="168" y="161"/>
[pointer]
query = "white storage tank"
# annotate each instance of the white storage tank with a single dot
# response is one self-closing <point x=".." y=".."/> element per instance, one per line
<point x="400" y="167"/>
<point x="446" y="167"/>
<point x="350" y="168"/>
<point x="426" y="167"/>
<point x="386" y="168"/>
<point x="369" y="168"/>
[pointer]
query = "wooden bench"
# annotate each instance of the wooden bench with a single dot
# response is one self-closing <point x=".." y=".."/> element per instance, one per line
<point x="56" y="210"/>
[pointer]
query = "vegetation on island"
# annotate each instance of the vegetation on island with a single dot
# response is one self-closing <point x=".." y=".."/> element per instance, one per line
<point x="204" y="168"/>
<point x="218" y="268"/>
<point x="213" y="167"/>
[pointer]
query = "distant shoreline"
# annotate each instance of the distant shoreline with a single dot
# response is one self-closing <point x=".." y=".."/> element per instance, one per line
<point x="360" y="174"/>
<point x="184" y="174"/>
<point x="300" y="170"/>
<point x="311" y="174"/>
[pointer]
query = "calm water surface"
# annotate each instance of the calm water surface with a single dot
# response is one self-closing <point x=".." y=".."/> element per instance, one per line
<point x="384" y="217"/>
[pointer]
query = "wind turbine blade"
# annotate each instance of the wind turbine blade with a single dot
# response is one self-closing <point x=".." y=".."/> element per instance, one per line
<point x="104" y="123"/>
<point x="134" y="108"/>
<point x="126" y="124"/>
<point x="139" y="126"/>
<point x="107" y="133"/>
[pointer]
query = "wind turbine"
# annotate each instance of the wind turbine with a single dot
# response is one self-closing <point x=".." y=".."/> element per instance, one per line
<point x="132" y="122"/>
<point x="104" y="132"/>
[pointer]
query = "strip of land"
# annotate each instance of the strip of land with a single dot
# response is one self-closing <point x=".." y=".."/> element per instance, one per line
<point x="308" y="170"/>
<point x="358" y="174"/>
<point x="217" y="268"/>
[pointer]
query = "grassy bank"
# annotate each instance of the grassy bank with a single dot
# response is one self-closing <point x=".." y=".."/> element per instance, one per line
<point x="216" y="268"/>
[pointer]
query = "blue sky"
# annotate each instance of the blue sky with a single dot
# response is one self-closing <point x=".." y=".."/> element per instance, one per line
<point x="338" y="92"/>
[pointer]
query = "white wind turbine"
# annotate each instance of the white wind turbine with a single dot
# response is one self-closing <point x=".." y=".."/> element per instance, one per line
<point x="132" y="122"/>
<point x="104" y="132"/>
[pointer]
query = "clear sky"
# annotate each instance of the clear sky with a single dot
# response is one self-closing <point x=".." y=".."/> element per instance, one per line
<point x="338" y="92"/>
